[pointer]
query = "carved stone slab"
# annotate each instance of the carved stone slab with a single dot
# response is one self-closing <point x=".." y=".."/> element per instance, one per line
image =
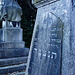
<point x="47" y="47"/>
<point x="39" y="3"/>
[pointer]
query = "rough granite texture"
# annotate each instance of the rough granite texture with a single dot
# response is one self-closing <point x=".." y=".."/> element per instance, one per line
<point x="11" y="34"/>
<point x="12" y="50"/>
<point x="65" y="10"/>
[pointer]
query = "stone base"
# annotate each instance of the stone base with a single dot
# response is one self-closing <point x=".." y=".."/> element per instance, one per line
<point x="7" y="45"/>
<point x="10" y="69"/>
<point x="11" y="34"/>
<point x="18" y="73"/>
<point x="12" y="53"/>
<point x="13" y="60"/>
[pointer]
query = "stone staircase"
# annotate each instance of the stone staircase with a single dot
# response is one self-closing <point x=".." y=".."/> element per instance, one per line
<point x="13" y="66"/>
<point x="13" y="53"/>
<point x="18" y="73"/>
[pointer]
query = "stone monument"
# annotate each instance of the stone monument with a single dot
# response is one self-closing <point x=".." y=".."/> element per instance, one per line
<point x="52" y="50"/>
<point x="13" y="54"/>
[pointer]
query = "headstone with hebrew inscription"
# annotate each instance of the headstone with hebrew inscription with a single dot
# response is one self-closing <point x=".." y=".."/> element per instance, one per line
<point x="52" y="47"/>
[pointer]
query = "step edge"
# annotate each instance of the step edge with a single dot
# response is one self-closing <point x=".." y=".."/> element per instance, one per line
<point x="8" y="59"/>
<point x="13" y="66"/>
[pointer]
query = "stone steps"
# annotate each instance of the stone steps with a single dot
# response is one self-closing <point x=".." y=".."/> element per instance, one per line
<point x="13" y="53"/>
<point x="7" y="45"/>
<point x="18" y="73"/>
<point x="12" y="61"/>
<point x="11" y="69"/>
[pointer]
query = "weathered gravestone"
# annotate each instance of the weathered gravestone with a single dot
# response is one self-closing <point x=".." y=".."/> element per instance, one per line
<point x="52" y="50"/>
<point x="13" y="54"/>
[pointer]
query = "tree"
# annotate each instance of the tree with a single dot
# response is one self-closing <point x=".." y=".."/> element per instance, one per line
<point x="28" y="19"/>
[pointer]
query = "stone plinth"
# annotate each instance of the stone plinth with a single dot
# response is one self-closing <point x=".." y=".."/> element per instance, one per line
<point x="6" y="45"/>
<point x="13" y="54"/>
<point x="11" y="34"/>
<point x="11" y="38"/>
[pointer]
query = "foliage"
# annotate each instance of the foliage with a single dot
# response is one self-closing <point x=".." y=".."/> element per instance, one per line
<point x="28" y="19"/>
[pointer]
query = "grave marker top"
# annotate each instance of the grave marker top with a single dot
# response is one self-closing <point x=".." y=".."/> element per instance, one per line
<point x="39" y="3"/>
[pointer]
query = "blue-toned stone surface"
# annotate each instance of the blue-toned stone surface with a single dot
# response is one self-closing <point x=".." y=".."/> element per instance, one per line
<point x="13" y="61"/>
<point x="39" y="3"/>
<point x="65" y="10"/>
<point x="9" y="45"/>
<point x="12" y="34"/>
<point x="12" y="53"/>
<point x="11" y="69"/>
<point x="46" y="49"/>
<point x="12" y="50"/>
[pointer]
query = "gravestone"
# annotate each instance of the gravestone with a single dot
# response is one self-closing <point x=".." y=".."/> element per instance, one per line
<point x="13" y="53"/>
<point x="52" y="47"/>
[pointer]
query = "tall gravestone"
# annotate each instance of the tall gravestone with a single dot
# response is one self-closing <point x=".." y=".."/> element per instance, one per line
<point x="13" y="54"/>
<point x="52" y="50"/>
